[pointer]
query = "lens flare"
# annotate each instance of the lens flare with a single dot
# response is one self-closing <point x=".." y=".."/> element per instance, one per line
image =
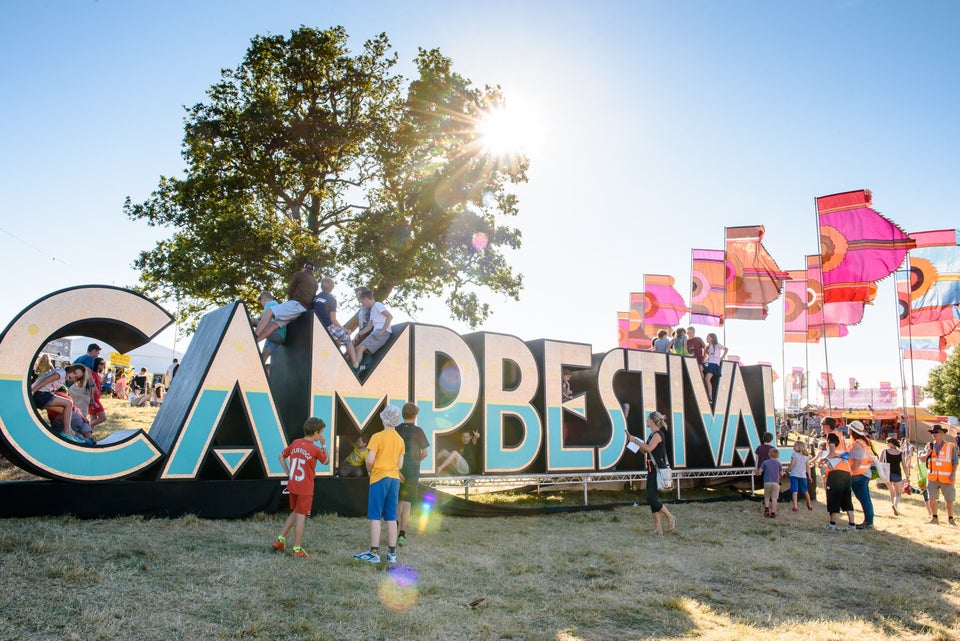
<point x="429" y="520"/>
<point x="399" y="591"/>
<point x="479" y="241"/>
<point x="449" y="378"/>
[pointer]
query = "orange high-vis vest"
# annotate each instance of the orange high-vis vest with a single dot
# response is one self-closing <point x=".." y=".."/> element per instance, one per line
<point x="864" y="466"/>
<point x="940" y="466"/>
<point x="842" y="465"/>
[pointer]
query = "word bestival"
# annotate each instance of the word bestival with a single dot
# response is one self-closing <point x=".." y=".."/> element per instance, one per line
<point x="225" y="421"/>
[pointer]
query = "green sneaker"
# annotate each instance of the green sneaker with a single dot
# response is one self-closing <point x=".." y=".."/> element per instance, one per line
<point x="401" y="540"/>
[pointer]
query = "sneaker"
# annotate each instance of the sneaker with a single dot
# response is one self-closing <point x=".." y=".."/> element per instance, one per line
<point x="369" y="557"/>
<point x="832" y="527"/>
<point x="300" y="554"/>
<point x="773" y="515"/>
<point x="933" y="521"/>
<point x="391" y="558"/>
<point x="279" y="545"/>
<point x="766" y="511"/>
<point x="951" y="521"/>
<point x="401" y="540"/>
<point x="865" y="526"/>
<point x="849" y="528"/>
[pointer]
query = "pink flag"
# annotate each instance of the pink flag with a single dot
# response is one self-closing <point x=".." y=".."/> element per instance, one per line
<point x="664" y="304"/>
<point x="858" y="246"/>
<point x="708" y="274"/>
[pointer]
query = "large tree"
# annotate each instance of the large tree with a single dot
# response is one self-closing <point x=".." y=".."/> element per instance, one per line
<point x="944" y="386"/>
<point x="306" y="151"/>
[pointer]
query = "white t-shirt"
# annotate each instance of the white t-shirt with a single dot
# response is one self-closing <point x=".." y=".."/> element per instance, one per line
<point x="715" y="354"/>
<point x="56" y="383"/>
<point x="378" y="318"/>
<point x="799" y="465"/>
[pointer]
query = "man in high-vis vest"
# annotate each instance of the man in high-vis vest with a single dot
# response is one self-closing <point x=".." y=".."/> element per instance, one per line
<point x="941" y="458"/>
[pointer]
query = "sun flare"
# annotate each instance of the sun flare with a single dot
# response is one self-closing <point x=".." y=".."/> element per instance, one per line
<point x="506" y="131"/>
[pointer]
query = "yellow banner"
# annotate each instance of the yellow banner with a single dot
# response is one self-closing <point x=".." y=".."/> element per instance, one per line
<point x="117" y="358"/>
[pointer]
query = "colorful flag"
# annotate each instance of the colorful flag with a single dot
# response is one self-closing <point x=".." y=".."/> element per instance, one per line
<point x="935" y="282"/>
<point x="795" y="307"/>
<point x="753" y="277"/>
<point x="928" y="296"/>
<point x="798" y="380"/>
<point x="708" y="274"/>
<point x="623" y="329"/>
<point x="636" y="334"/>
<point x="858" y="246"/>
<point x="818" y="326"/>
<point x="917" y="394"/>
<point x="826" y="381"/>
<point x="664" y="304"/>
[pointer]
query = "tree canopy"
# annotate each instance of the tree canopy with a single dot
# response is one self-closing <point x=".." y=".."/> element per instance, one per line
<point x="944" y="386"/>
<point x="306" y="151"/>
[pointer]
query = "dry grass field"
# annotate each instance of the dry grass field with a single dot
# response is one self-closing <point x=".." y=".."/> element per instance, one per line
<point x="727" y="573"/>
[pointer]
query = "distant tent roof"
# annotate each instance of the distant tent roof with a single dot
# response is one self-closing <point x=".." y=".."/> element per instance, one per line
<point x="155" y="357"/>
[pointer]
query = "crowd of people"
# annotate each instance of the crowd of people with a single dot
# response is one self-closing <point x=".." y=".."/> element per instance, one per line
<point x="848" y="463"/>
<point x="77" y="389"/>
<point x="305" y="292"/>
<point x="709" y="354"/>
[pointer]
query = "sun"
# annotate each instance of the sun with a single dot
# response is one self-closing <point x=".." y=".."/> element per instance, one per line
<point x="506" y="131"/>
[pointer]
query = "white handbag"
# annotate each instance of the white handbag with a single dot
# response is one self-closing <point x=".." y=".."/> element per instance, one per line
<point x="664" y="478"/>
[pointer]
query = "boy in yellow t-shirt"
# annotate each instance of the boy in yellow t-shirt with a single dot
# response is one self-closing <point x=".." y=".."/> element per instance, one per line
<point x="384" y="459"/>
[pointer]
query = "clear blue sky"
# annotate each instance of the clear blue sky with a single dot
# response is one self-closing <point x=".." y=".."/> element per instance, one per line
<point x="658" y="124"/>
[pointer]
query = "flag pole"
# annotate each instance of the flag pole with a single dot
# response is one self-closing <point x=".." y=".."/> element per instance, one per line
<point x="903" y="379"/>
<point x="783" y="354"/>
<point x="913" y="381"/>
<point x="725" y="286"/>
<point x="823" y="303"/>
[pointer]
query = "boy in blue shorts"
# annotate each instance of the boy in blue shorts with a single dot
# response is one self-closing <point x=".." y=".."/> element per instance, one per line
<point x="303" y="455"/>
<point x="384" y="459"/>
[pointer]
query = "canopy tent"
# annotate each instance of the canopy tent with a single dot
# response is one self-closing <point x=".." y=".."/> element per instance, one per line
<point x="155" y="357"/>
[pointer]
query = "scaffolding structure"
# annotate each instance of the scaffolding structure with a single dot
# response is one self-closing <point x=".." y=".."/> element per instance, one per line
<point x="586" y="479"/>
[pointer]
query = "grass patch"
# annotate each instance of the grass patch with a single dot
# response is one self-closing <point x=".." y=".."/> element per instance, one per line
<point x="726" y="573"/>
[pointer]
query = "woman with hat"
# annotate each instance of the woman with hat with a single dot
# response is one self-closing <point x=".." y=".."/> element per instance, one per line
<point x="862" y="455"/>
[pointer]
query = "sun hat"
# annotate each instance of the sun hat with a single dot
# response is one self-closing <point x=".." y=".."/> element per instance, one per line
<point x="857" y="428"/>
<point x="390" y="415"/>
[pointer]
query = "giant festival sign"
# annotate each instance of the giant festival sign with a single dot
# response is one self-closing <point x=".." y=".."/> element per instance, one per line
<point x="213" y="447"/>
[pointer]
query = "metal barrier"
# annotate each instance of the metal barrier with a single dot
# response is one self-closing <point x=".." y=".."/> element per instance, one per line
<point x="577" y="478"/>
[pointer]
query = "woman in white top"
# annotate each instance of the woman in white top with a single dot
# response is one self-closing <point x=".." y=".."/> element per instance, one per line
<point x="44" y="387"/>
<point x="711" y="368"/>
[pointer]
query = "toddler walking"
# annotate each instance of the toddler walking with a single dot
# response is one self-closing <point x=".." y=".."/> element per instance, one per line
<point x="799" y="473"/>
<point x="772" y="470"/>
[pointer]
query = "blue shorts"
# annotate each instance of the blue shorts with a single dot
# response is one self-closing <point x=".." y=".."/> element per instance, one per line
<point x="798" y="484"/>
<point x="269" y="344"/>
<point x="382" y="500"/>
<point x="711" y="368"/>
